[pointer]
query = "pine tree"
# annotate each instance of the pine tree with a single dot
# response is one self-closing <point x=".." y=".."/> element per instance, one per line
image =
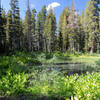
<point x="42" y="22"/>
<point x="2" y="30"/>
<point x="33" y="27"/>
<point x="50" y="31"/>
<point x="15" y="24"/>
<point x="63" y="21"/>
<point x="86" y="27"/>
<point x="72" y="28"/>
<point x="82" y="29"/>
<point x="3" y="27"/>
<point x="62" y="28"/>
<point x="80" y="35"/>
<point x="41" y="17"/>
<point x="38" y="34"/>
<point x="9" y="31"/>
<point x="27" y="29"/>
<point x="64" y="33"/>
<point x="21" y="35"/>
<point x="93" y="24"/>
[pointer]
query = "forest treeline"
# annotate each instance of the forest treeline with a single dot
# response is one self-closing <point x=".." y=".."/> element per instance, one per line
<point x="40" y="31"/>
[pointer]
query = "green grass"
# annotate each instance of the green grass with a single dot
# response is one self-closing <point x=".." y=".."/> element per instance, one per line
<point x="12" y="84"/>
<point x="18" y="80"/>
<point x="18" y="62"/>
<point x="21" y="61"/>
<point x="57" y="57"/>
<point x="68" y="58"/>
<point x="59" y="86"/>
<point x="50" y="86"/>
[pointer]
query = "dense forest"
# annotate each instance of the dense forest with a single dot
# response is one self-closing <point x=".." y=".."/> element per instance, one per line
<point x="42" y="58"/>
<point x="41" y="32"/>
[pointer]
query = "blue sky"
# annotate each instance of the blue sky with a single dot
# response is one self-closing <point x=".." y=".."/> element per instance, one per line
<point x="58" y="5"/>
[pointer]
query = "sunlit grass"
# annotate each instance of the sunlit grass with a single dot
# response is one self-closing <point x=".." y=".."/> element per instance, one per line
<point x="45" y="83"/>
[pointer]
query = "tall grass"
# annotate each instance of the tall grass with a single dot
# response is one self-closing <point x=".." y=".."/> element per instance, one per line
<point x="17" y="79"/>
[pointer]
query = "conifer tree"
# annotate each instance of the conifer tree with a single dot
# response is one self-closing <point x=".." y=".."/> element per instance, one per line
<point x="72" y="28"/>
<point x="38" y="34"/>
<point x="27" y="29"/>
<point x="43" y="18"/>
<point x="42" y="22"/>
<point x="82" y="30"/>
<point x="2" y="29"/>
<point x="63" y="31"/>
<point x="33" y="28"/>
<point x="80" y="35"/>
<point x="15" y="24"/>
<point x="9" y="31"/>
<point x="62" y="28"/>
<point x="21" y="36"/>
<point x="93" y="24"/>
<point x="50" y="31"/>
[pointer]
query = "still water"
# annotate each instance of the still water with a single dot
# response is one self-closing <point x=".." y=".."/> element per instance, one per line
<point x="69" y="69"/>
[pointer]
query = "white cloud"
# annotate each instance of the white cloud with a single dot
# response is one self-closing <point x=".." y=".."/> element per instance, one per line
<point x="32" y="6"/>
<point x="53" y="5"/>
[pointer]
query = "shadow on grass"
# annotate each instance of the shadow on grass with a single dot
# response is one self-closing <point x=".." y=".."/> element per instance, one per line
<point x="97" y="65"/>
<point x="29" y="96"/>
<point x="98" y="62"/>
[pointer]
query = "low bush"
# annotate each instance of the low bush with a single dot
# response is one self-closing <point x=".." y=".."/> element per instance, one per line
<point x="19" y="62"/>
<point x="84" y="87"/>
<point x="51" y="85"/>
<point x="12" y="84"/>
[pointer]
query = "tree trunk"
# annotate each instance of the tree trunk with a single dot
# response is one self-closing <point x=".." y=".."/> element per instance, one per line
<point x="92" y="48"/>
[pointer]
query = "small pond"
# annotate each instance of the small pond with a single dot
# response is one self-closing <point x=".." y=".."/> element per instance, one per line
<point x="71" y="68"/>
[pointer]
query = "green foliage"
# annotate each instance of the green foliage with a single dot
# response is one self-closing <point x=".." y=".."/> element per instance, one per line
<point x="57" y="85"/>
<point x="12" y="84"/>
<point x="88" y="86"/>
<point x="92" y="26"/>
<point x="4" y="64"/>
<point x="49" y="56"/>
<point x="50" y="32"/>
<point x="18" y="62"/>
<point x="2" y="30"/>
<point x="46" y="82"/>
<point x="63" y="31"/>
<point x="51" y="85"/>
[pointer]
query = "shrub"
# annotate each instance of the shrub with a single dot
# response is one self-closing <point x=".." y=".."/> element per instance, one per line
<point x="12" y="84"/>
<point x="53" y="84"/>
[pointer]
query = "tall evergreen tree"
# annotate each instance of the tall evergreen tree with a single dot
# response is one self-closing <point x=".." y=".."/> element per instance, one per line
<point x="33" y="28"/>
<point x="93" y="24"/>
<point x="38" y="34"/>
<point x="50" y="31"/>
<point x="72" y="28"/>
<point x="82" y="29"/>
<point x="27" y="29"/>
<point x="41" y="17"/>
<point x="80" y="35"/>
<point x="2" y="29"/>
<point x="15" y="24"/>
<point x="9" y="31"/>
<point x="63" y="31"/>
